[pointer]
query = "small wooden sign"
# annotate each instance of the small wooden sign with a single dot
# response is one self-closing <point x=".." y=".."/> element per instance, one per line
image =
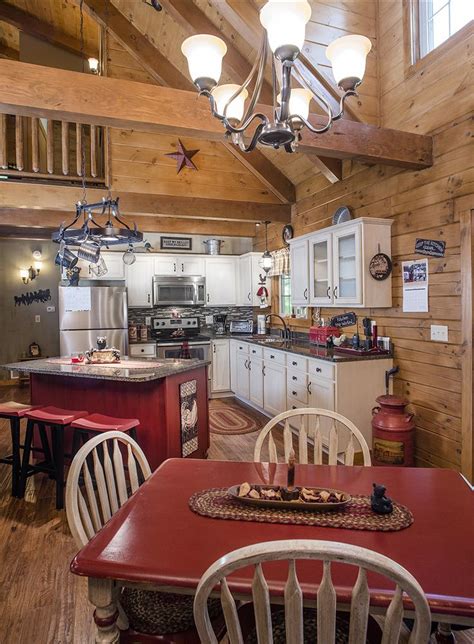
<point x="176" y="243"/>
<point x="344" y="319"/>
<point x="431" y="247"/>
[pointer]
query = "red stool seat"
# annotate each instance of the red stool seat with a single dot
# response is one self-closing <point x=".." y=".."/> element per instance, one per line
<point x="15" y="410"/>
<point x="55" y="415"/>
<point x="101" y="423"/>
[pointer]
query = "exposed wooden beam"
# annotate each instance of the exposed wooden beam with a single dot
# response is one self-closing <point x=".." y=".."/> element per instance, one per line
<point x="35" y="224"/>
<point x="165" y="73"/>
<point x="9" y="52"/>
<point x="32" y="25"/>
<point x="330" y="168"/>
<point x="32" y="90"/>
<point x="33" y="196"/>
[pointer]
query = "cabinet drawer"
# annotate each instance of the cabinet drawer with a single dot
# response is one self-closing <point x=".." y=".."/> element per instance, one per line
<point x="242" y="347"/>
<point x="297" y="362"/>
<point x="298" y="392"/>
<point x="321" y="369"/>
<point x="143" y="350"/>
<point x="297" y="378"/>
<point x="256" y="352"/>
<point x="276" y="357"/>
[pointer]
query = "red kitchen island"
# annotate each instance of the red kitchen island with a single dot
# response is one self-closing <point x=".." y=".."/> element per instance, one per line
<point x="168" y="397"/>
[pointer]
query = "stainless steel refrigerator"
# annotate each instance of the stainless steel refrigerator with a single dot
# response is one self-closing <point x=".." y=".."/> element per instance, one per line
<point x="105" y="314"/>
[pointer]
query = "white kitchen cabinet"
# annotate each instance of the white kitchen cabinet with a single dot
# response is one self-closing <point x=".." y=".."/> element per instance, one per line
<point x="274" y="387"/>
<point x="299" y="263"/>
<point x="242" y="375"/>
<point x="146" y="350"/>
<point x="233" y="365"/>
<point x="220" y="355"/>
<point x="221" y="282"/>
<point x="249" y="272"/>
<point x="337" y="262"/>
<point x="178" y="265"/>
<point x="256" y="380"/>
<point x="139" y="281"/>
<point x="115" y="267"/>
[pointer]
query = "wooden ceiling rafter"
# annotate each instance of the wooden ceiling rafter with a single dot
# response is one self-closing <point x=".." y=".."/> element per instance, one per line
<point x="29" y="23"/>
<point x="165" y="73"/>
<point x="31" y="90"/>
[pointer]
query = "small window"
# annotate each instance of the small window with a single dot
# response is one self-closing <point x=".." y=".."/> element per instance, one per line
<point x="440" y="19"/>
<point x="285" y="296"/>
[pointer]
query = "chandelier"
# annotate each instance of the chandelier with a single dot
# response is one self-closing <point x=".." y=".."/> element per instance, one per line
<point x="284" y="23"/>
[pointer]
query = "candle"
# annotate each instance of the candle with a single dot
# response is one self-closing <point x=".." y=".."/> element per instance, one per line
<point x="291" y="469"/>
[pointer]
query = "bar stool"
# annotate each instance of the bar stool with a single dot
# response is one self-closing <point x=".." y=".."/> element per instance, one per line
<point x="58" y="420"/>
<point x="14" y="412"/>
<point x="95" y="424"/>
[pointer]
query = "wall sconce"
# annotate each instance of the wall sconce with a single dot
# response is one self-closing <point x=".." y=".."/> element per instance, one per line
<point x="93" y="65"/>
<point x="32" y="272"/>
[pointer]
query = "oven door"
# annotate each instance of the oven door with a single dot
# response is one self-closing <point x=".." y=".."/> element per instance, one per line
<point x="199" y="351"/>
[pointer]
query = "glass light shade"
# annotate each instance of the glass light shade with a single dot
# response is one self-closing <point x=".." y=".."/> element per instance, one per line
<point x="235" y="110"/>
<point x="38" y="266"/>
<point x="93" y="65"/>
<point x="348" y="55"/>
<point x="285" y="22"/>
<point x="300" y="99"/>
<point x="204" y="54"/>
<point x="266" y="261"/>
<point x="23" y="273"/>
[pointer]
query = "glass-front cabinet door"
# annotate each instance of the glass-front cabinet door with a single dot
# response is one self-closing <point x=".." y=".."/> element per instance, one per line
<point x="321" y="271"/>
<point x="347" y="286"/>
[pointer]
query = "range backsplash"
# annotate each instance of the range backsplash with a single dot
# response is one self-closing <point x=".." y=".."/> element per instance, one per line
<point x="138" y="316"/>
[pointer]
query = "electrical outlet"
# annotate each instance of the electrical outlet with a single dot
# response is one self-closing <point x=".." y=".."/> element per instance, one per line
<point x="50" y="309"/>
<point x="439" y="333"/>
<point x="209" y="319"/>
<point x="37" y="318"/>
<point x="148" y="320"/>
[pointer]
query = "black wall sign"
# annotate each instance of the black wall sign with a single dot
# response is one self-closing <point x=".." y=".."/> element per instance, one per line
<point x="176" y="243"/>
<point x="431" y="247"/>
<point x="345" y="319"/>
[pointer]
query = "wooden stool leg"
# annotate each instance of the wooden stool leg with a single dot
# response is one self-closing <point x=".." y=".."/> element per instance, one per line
<point x="16" y="466"/>
<point x="45" y="445"/>
<point x="26" y="458"/>
<point x="76" y="442"/>
<point x="57" y="435"/>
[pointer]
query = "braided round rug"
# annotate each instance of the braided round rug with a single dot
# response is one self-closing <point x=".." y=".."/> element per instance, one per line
<point x="356" y="515"/>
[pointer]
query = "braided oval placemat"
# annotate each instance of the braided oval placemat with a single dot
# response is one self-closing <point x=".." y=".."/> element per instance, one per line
<point x="356" y="515"/>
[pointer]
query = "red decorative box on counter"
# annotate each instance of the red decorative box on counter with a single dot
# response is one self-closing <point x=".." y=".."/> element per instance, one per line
<point x="320" y="334"/>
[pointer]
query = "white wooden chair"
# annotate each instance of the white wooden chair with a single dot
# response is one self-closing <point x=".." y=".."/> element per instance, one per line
<point x="313" y="424"/>
<point x="325" y="618"/>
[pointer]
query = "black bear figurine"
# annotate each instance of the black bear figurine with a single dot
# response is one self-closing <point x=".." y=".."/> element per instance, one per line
<point x="379" y="502"/>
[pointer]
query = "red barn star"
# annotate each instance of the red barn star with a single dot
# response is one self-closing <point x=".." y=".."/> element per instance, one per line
<point x="183" y="157"/>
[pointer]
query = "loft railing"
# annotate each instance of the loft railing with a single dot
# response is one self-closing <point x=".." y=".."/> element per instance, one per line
<point x="44" y="149"/>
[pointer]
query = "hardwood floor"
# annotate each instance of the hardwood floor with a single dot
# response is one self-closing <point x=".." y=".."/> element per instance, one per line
<point x="40" y="601"/>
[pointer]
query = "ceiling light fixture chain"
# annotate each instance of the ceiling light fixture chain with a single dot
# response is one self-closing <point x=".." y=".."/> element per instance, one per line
<point x="284" y="24"/>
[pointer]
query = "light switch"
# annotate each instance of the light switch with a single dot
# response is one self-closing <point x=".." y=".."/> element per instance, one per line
<point x="209" y="319"/>
<point x="37" y="318"/>
<point x="439" y="333"/>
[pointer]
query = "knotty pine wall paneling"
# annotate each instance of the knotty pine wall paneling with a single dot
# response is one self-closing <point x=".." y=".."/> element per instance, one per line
<point x="434" y="100"/>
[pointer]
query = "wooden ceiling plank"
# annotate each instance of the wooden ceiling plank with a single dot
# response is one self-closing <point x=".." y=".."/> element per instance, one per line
<point x="31" y="90"/>
<point x="165" y="73"/>
<point x="30" y="196"/>
<point x="32" y="25"/>
<point x="31" y="223"/>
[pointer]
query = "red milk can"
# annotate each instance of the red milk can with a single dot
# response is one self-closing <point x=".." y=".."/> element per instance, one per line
<point x="393" y="432"/>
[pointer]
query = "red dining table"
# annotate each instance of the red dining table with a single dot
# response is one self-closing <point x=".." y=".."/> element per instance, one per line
<point x="156" y="541"/>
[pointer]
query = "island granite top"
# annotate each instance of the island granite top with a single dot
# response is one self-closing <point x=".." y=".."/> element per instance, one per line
<point x="127" y="370"/>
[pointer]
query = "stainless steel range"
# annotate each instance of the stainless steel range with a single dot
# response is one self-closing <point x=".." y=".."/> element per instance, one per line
<point x="170" y="333"/>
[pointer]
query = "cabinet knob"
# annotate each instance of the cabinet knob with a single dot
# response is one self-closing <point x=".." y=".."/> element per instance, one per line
<point x="248" y="297"/>
<point x="208" y="297"/>
<point x="272" y="357"/>
<point x="295" y="378"/>
<point x="293" y="406"/>
<point x="174" y="267"/>
<point x="182" y="268"/>
<point x="263" y="370"/>
<point x="253" y="351"/>
<point x="318" y="369"/>
<point x="309" y="387"/>
<point x="250" y="366"/>
<point x="328" y="293"/>
<point x="294" y="363"/>
<point x="293" y="393"/>
<point x="305" y="294"/>
<point x="148" y="298"/>
<point x="335" y="292"/>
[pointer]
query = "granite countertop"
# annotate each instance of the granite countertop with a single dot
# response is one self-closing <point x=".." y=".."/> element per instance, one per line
<point x="307" y="349"/>
<point x="128" y="370"/>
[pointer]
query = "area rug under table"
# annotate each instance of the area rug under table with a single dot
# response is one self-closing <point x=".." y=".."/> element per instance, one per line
<point x="229" y="419"/>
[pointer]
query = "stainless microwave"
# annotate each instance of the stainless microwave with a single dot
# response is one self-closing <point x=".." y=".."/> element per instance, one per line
<point x="189" y="290"/>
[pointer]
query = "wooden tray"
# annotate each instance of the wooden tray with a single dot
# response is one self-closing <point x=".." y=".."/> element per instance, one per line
<point x="290" y="505"/>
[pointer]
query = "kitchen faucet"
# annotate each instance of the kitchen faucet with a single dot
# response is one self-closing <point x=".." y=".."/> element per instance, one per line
<point x="285" y="334"/>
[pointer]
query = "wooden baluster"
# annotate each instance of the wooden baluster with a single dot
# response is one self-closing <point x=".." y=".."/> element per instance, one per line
<point x="326" y="614"/>
<point x="332" y="459"/>
<point x="318" y="443"/>
<point x="287" y="440"/>
<point x="303" y="440"/>
<point x="35" y="162"/>
<point x="272" y="450"/>
<point x="20" y="163"/>
<point x="93" y="151"/>
<point x="359" y="609"/>
<point x="234" y="632"/>
<point x="101" y="487"/>
<point x="261" y="603"/>
<point x="132" y="469"/>
<point x="79" y="149"/>
<point x="94" y="509"/>
<point x="110" y="480"/>
<point x="350" y="452"/>
<point x="294" y="607"/>
<point x="119" y="473"/>
<point x="50" y="147"/>
<point x="393" y="619"/>
<point x="65" y="146"/>
<point x="85" y="516"/>
<point x="3" y="141"/>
